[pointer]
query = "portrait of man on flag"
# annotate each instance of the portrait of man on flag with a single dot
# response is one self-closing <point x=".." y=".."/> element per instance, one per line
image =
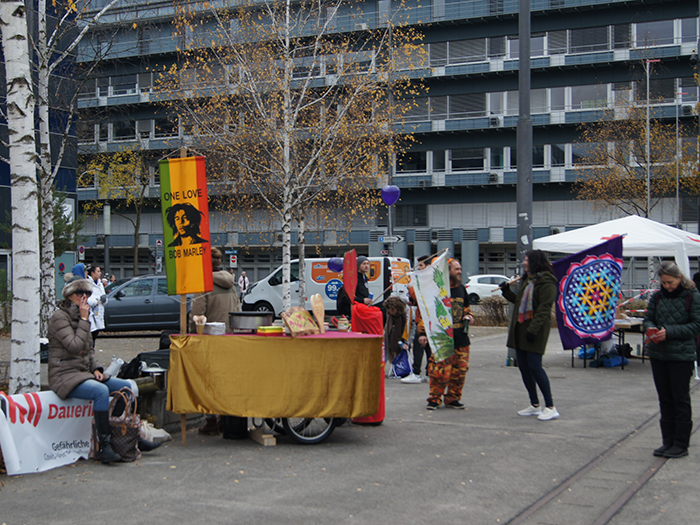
<point x="587" y="293"/>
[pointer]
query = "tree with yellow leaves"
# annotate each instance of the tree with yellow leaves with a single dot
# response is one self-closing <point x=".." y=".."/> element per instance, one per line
<point x="304" y="113"/>
<point x="122" y="176"/>
<point x="614" y="167"/>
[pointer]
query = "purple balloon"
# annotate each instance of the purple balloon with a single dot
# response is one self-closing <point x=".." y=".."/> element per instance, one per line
<point x="335" y="264"/>
<point x="390" y="194"/>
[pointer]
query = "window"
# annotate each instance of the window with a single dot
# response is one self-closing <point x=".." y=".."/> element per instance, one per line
<point x="87" y="90"/>
<point x="438" y="108"/>
<point x="497" y="157"/>
<point x="558" y="156"/>
<point x="276" y="278"/>
<point x="471" y="105"/>
<point x="556" y="42"/>
<point x="589" y="40"/>
<point x="439" y="160"/>
<point x="512" y="103"/>
<point x="165" y="127"/>
<point x="438" y="54"/>
<point x="462" y="51"/>
<point x="580" y="152"/>
<point x="86" y="131"/>
<point x="655" y="33"/>
<point x="622" y="36"/>
<point x="589" y="97"/>
<point x="411" y="215"/>
<point x="103" y="132"/>
<point x="124" y="85"/>
<point x="537" y="45"/>
<point x="102" y="87"/>
<point x="468" y="159"/>
<point x="538" y="156"/>
<point x="557" y="98"/>
<point x="138" y="289"/>
<point x="412" y="161"/>
<point x="538" y="101"/>
<point x="497" y="47"/>
<point x="689" y="29"/>
<point x="162" y="287"/>
<point x="496" y="103"/>
<point x="124" y="130"/>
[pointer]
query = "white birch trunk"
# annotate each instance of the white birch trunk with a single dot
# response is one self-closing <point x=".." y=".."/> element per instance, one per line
<point x="24" y="346"/>
<point x="301" y="244"/>
<point x="48" y="259"/>
<point x="287" y="193"/>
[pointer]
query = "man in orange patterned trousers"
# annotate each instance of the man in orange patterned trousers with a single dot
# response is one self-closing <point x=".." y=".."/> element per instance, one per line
<point x="450" y="373"/>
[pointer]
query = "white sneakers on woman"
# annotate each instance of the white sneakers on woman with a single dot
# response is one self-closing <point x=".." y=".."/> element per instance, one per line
<point x="543" y="414"/>
<point x="532" y="410"/>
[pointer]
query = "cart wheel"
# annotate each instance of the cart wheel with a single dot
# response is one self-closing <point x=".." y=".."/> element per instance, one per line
<point x="309" y="431"/>
<point x="275" y="425"/>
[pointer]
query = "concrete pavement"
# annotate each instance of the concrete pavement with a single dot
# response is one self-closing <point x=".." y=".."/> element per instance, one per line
<point x="484" y="465"/>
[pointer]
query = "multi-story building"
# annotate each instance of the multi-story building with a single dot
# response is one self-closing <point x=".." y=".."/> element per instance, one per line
<point x="458" y="180"/>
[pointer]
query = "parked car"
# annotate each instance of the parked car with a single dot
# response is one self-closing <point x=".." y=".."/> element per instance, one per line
<point x="142" y="303"/>
<point x="482" y="286"/>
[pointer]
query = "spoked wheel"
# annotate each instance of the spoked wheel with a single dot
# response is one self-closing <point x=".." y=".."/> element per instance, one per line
<point x="309" y="431"/>
<point x="269" y="425"/>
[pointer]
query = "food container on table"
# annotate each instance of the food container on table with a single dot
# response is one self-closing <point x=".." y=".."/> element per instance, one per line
<point x="215" y="329"/>
<point x="271" y="331"/>
<point x="159" y="375"/>
<point x="249" y="321"/>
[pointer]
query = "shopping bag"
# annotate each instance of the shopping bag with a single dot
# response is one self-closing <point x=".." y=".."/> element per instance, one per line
<point x="400" y="365"/>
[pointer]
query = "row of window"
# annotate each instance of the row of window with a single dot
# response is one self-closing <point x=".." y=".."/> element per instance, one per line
<point x="573" y="98"/>
<point x="567" y="41"/>
<point x="544" y="156"/>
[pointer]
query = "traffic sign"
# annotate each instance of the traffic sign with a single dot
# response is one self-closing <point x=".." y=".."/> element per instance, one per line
<point x="391" y="239"/>
<point x="234" y="261"/>
<point x="159" y="243"/>
<point x="385" y="252"/>
<point x="81" y="253"/>
<point x="230" y="252"/>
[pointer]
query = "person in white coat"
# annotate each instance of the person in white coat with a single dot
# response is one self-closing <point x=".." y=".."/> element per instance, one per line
<point x="96" y="301"/>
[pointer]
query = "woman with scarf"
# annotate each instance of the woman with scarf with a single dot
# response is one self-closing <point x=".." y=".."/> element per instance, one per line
<point x="529" y="329"/>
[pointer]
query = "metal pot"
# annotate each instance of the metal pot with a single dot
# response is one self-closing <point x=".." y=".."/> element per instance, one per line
<point x="249" y="321"/>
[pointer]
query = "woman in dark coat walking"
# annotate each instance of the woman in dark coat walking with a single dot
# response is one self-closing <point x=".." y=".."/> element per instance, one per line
<point x="529" y="329"/>
<point x="671" y="324"/>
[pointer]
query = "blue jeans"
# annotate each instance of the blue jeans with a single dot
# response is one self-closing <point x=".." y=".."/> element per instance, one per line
<point x="530" y="365"/>
<point x="97" y="392"/>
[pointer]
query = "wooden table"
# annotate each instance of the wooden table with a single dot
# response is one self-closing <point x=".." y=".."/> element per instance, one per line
<point x="337" y="374"/>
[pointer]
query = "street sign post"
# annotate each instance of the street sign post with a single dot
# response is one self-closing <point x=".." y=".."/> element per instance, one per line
<point x="391" y="239"/>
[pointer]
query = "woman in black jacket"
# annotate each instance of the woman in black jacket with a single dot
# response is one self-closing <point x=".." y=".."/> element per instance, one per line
<point x="671" y="324"/>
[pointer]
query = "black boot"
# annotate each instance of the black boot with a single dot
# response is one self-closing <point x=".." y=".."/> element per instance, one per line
<point x="147" y="446"/>
<point x="680" y="441"/>
<point x="104" y="436"/>
<point x="668" y="429"/>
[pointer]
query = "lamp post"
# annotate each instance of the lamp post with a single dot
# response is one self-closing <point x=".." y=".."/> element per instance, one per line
<point x="648" y="141"/>
<point x="678" y="199"/>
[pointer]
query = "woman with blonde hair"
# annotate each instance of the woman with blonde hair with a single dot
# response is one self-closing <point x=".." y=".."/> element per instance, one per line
<point x="671" y="324"/>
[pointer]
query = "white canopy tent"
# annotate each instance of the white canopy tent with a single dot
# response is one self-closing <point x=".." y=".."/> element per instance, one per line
<point x="642" y="238"/>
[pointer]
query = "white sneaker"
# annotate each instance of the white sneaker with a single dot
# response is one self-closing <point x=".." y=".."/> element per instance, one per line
<point x="530" y="411"/>
<point x="548" y="413"/>
<point x="411" y="378"/>
<point x="424" y="379"/>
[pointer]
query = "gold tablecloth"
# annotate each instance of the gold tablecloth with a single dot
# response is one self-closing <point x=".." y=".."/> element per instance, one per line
<point x="331" y="375"/>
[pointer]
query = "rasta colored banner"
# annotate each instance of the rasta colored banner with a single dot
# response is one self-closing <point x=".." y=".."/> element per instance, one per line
<point x="183" y="197"/>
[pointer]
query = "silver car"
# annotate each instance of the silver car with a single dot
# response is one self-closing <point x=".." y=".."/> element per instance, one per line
<point x="143" y="303"/>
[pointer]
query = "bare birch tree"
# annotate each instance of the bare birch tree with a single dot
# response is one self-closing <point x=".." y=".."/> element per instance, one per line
<point x="24" y="365"/>
<point x="303" y="112"/>
<point x="57" y="39"/>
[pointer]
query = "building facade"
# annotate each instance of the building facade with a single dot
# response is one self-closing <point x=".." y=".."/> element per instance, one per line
<point x="458" y="181"/>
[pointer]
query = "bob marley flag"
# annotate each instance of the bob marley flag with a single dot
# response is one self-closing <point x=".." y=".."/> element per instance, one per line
<point x="432" y="287"/>
<point x="588" y="290"/>
<point x="183" y="194"/>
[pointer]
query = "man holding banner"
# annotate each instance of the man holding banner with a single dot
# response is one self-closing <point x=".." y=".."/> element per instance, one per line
<point x="446" y="317"/>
